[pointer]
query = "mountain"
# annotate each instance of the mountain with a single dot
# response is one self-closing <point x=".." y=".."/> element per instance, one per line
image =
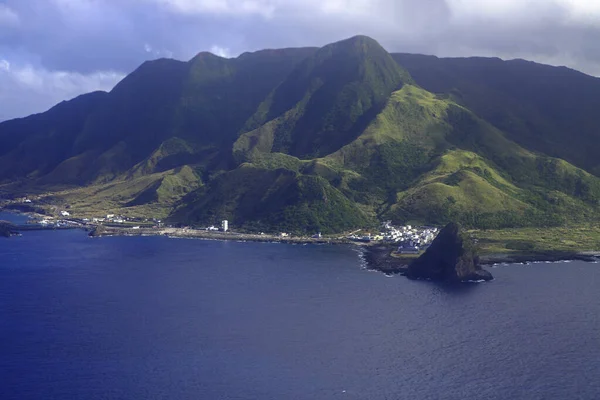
<point x="32" y="147"/>
<point x="203" y="102"/>
<point x="551" y="110"/>
<point x="326" y="139"/>
<point x="326" y="101"/>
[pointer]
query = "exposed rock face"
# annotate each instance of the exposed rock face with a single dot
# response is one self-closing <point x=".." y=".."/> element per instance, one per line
<point x="451" y="257"/>
<point x="7" y="229"/>
<point x="98" y="230"/>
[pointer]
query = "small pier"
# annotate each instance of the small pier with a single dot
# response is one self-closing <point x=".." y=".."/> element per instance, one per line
<point x="40" y="227"/>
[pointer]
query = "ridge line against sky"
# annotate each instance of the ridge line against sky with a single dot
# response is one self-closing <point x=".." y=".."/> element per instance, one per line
<point x="52" y="50"/>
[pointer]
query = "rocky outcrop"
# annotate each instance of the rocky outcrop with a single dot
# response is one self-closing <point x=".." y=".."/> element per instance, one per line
<point x="378" y="258"/>
<point x="97" y="231"/>
<point x="452" y="257"/>
<point x="7" y="229"/>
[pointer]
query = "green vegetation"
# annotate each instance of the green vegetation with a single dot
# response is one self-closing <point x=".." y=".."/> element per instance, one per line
<point x="568" y="239"/>
<point x="550" y="110"/>
<point x="326" y="101"/>
<point x="329" y="139"/>
<point x="260" y="199"/>
<point x="149" y="195"/>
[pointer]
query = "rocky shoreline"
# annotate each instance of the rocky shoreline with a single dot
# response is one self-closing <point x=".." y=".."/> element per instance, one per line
<point x="379" y="258"/>
<point x="7" y="229"/>
<point x="524" y="258"/>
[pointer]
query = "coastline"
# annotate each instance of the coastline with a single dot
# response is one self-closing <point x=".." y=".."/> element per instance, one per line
<point x="377" y="255"/>
<point x="526" y="258"/>
<point x="378" y="258"/>
<point x="103" y="231"/>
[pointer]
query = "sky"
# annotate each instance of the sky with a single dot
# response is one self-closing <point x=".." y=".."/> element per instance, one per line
<point x="52" y="50"/>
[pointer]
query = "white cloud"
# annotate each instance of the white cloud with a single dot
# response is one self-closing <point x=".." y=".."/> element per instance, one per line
<point x="267" y="8"/>
<point x="87" y="35"/>
<point x="25" y="89"/>
<point x="8" y="17"/>
<point x="343" y="7"/>
<point x="220" y="51"/>
<point x="511" y="11"/>
<point x="261" y="7"/>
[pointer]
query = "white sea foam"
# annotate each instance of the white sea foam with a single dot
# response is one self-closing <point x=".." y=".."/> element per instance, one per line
<point x="361" y="257"/>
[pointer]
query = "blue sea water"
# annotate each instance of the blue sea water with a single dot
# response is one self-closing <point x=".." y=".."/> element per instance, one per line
<point x="160" y="318"/>
<point x="15" y="218"/>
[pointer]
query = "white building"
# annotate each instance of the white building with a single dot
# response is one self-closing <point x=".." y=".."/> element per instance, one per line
<point x="224" y="225"/>
<point x="65" y="213"/>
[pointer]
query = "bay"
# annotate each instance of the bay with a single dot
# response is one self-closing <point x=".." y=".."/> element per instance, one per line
<point x="15" y="218"/>
<point x="160" y="318"/>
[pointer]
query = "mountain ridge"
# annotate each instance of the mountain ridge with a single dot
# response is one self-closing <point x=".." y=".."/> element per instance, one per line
<point x="321" y="139"/>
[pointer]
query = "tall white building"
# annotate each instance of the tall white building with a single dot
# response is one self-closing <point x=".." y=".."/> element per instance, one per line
<point x="224" y="225"/>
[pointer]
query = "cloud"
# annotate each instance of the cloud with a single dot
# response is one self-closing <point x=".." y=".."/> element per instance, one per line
<point x="260" y="7"/>
<point x="90" y="35"/>
<point x="265" y="8"/>
<point x="8" y="17"/>
<point x="25" y="89"/>
<point x="220" y="51"/>
<point x="87" y="37"/>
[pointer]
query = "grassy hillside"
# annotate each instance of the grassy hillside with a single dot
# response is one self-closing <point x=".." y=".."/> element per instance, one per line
<point x="326" y="101"/>
<point x="267" y="199"/>
<point x="32" y="147"/>
<point x="146" y="196"/>
<point x="551" y="110"/>
<point x="328" y="139"/>
<point x="97" y="137"/>
<point x="431" y="160"/>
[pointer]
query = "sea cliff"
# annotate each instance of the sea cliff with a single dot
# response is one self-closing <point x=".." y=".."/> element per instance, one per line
<point x="7" y="229"/>
<point x="452" y="257"/>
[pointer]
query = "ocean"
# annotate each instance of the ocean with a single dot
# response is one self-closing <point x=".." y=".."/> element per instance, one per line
<point x="160" y="318"/>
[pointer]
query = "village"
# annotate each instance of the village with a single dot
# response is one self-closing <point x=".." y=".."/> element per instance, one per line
<point x="407" y="239"/>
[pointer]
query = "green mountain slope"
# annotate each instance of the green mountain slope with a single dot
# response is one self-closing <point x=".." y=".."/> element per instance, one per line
<point x="328" y="139"/>
<point x="326" y="101"/>
<point x="32" y="147"/>
<point x="432" y="160"/>
<point x="205" y="102"/>
<point x="552" y="110"/>
<point x="266" y="199"/>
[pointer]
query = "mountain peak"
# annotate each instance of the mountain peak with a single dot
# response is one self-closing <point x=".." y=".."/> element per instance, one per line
<point x="205" y="55"/>
<point x="333" y="94"/>
<point x="356" y="44"/>
<point x="361" y="39"/>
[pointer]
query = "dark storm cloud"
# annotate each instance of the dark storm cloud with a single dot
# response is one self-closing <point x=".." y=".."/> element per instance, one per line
<point x="53" y="49"/>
